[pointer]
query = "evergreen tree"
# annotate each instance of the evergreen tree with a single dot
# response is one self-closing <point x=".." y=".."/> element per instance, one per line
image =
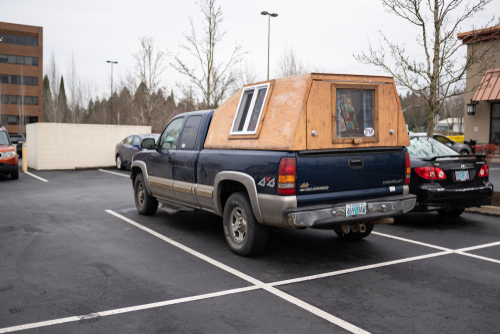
<point x="63" y="100"/>
<point x="46" y="97"/>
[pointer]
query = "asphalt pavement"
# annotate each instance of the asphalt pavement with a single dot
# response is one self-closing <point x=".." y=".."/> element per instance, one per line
<point x="76" y="257"/>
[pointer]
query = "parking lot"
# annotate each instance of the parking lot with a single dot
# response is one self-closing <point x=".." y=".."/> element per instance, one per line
<point x="76" y="257"/>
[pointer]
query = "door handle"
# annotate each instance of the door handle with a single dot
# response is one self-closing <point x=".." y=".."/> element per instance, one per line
<point x="355" y="163"/>
<point x="170" y="159"/>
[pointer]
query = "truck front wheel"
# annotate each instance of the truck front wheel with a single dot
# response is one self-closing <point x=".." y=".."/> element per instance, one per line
<point x="244" y="234"/>
<point x="145" y="203"/>
<point x="355" y="235"/>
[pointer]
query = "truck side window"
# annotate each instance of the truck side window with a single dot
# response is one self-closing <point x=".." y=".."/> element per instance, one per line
<point x="168" y="139"/>
<point x="250" y="109"/>
<point x="190" y="132"/>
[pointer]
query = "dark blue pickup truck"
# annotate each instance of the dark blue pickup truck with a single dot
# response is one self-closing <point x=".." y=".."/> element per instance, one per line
<point x="202" y="161"/>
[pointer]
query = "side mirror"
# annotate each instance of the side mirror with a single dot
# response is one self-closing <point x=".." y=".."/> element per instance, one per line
<point x="148" y="143"/>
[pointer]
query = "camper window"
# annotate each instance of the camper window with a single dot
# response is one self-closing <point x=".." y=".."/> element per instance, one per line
<point x="250" y="109"/>
<point x="355" y="111"/>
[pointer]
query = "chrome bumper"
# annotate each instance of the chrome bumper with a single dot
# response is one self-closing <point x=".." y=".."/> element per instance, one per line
<point x="329" y="216"/>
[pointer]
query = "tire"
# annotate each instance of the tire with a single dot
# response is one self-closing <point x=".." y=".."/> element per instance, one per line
<point x="119" y="162"/>
<point x="244" y="234"/>
<point x="355" y="235"/>
<point x="14" y="176"/>
<point x="451" y="213"/>
<point x="145" y="203"/>
<point x="464" y="152"/>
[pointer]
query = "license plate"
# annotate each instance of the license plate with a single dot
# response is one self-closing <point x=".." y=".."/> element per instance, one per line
<point x="462" y="175"/>
<point x="355" y="209"/>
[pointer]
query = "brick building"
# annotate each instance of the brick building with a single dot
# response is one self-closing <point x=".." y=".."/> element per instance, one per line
<point x="21" y="75"/>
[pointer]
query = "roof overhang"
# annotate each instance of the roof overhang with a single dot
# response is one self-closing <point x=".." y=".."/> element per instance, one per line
<point x="489" y="89"/>
<point x="479" y="35"/>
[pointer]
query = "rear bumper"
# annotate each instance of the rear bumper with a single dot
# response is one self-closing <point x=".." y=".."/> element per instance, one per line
<point x="333" y="215"/>
<point x="5" y="168"/>
<point x="431" y="198"/>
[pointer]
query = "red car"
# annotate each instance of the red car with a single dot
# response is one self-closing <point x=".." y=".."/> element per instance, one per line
<point x="8" y="156"/>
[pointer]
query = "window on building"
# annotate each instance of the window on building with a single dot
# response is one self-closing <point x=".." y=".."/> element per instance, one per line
<point x="250" y="109"/>
<point x="19" y="40"/>
<point x="190" y="132"/>
<point x="21" y="60"/>
<point x="17" y="79"/>
<point x="495" y="124"/>
<point x="16" y="99"/>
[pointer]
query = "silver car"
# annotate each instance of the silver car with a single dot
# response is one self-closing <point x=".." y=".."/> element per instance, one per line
<point x="458" y="147"/>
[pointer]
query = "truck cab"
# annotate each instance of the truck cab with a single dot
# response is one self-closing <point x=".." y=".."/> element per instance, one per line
<point x="311" y="151"/>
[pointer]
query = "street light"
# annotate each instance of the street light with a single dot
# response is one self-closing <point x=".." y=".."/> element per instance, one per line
<point x="111" y="94"/>
<point x="268" y="37"/>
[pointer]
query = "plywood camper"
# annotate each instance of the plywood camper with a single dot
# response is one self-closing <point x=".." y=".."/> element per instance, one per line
<point x="311" y="112"/>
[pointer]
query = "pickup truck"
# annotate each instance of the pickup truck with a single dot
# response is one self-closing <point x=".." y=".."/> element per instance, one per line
<point x="205" y="160"/>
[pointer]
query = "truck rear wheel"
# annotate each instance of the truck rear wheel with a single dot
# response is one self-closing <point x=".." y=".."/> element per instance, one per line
<point x="244" y="234"/>
<point x="145" y="203"/>
<point x="355" y="235"/>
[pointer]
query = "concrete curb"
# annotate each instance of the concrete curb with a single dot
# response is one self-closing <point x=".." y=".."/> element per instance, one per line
<point x="491" y="210"/>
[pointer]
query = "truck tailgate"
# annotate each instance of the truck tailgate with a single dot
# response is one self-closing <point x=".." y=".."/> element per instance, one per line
<point x="332" y="176"/>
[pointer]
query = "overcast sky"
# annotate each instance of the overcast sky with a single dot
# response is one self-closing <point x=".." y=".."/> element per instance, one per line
<point x="325" y="34"/>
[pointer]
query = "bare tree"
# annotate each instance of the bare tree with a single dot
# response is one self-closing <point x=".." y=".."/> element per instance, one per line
<point x="53" y="108"/>
<point x="148" y="69"/>
<point x="289" y="64"/>
<point x="438" y="76"/>
<point x="21" y="104"/>
<point x="213" y="78"/>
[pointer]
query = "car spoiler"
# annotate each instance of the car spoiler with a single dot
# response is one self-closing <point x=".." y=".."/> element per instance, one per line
<point x="477" y="156"/>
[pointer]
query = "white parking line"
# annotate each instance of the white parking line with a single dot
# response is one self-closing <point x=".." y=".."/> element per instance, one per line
<point x="494" y="168"/>
<point x="125" y="310"/>
<point x="107" y="171"/>
<point x="460" y="251"/>
<point x="320" y="313"/>
<point x="36" y="177"/>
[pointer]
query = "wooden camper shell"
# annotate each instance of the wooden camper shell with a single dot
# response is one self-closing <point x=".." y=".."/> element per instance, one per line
<point x="295" y="106"/>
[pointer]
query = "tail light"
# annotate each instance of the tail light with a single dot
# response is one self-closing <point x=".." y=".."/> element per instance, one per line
<point x="408" y="168"/>
<point x="431" y="173"/>
<point x="287" y="176"/>
<point x="484" y="171"/>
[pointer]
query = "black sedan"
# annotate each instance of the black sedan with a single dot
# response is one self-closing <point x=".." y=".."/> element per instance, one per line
<point x="445" y="181"/>
<point x="19" y="140"/>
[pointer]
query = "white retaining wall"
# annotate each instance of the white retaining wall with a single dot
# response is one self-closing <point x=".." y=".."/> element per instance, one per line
<point x="70" y="146"/>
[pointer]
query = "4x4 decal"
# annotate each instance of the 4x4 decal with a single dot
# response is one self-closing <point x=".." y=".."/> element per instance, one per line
<point x="270" y="182"/>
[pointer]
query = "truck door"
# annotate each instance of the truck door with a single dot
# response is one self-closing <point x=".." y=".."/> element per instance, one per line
<point x="185" y="161"/>
<point x="161" y="162"/>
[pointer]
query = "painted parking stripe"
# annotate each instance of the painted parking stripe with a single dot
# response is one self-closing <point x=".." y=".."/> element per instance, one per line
<point x="460" y="251"/>
<point x="114" y="173"/>
<point x="411" y="241"/>
<point x="125" y="310"/>
<point x="352" y="270"/>
<point x="36" y="177"/>
<point x="320" y="313"/>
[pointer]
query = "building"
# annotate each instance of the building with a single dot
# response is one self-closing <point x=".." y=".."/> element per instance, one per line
<point x="482" y="97"/>
<point x="450" y="125"/>
<point x="21" y="76"/>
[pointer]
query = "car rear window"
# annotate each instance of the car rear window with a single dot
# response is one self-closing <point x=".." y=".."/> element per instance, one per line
<point x="425" y="147"/>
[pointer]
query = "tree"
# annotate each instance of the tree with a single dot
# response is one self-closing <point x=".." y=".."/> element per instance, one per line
<point x="46" y="96"/>
<point x="439" y="75"/>
<point x="289" y="64"/>
<point x="63" y="103"/>
<point x="214" y="78"/>
<point x="21" y="104"/>
<point x="148" y="69"/>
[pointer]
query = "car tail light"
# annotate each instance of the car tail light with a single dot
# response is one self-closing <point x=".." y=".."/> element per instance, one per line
<point x="408" y="168"/>
<point x="431" y="173"/>
<point x="287" y="176"/>
<point x="428" y="173"/>
<point x="484" y="171"/>
<point x="441" y="175"/>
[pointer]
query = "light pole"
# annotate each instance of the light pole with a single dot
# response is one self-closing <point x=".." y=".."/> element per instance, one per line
<point x="111" y="94"/>
<point x="268" y="37"/>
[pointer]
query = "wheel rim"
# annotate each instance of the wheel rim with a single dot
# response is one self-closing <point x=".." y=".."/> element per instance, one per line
<point x="238" y="225"/>
<point x="140" y="194"/>
<point x="464" y="152"/>
<point x="118" y="162"/>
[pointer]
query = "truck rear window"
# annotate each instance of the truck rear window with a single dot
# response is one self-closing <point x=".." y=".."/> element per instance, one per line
<point x="354" y="113"/>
